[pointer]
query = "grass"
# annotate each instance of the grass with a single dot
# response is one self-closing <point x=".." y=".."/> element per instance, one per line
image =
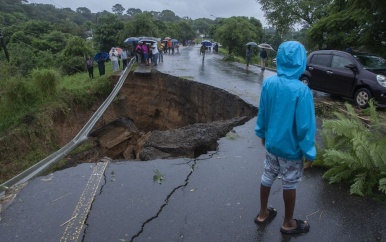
<point x="29" y="107"/>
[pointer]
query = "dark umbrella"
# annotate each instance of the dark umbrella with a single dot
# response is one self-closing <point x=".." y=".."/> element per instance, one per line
<point x="103" y="54"/>
<point x="206" y="43"/>
<point x="252" y="44"/>
<point x="131" y="40"/>
<point x="174" y="41"/>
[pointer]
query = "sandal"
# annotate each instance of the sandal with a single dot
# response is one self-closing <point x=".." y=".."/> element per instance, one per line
<point x="271" y="215"/>
<point x="302" y="227"/>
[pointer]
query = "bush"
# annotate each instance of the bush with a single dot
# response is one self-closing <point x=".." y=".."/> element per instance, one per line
<point x="46" y="82"/>
<point x="71" y="65"/>
<point x="354" y="152"/>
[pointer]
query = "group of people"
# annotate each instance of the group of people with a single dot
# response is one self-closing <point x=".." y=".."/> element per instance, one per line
<point x="148" y="53"/>
<point x="263" y="57"/>
<point x="169" y="46"/>
<point x="116" y="55"/>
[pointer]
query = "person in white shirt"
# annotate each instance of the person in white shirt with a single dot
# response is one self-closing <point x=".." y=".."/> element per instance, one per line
<point x="155" y="53"/>
<point x="114" y="58"/>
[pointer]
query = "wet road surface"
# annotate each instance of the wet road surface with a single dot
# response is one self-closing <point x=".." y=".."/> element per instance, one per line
<point x="212" y="198"/>
<point x="232" y="77"/>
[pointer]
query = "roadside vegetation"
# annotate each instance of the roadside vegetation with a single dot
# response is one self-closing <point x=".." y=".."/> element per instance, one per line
<point x="353" y="149"/>
<point x="45" y="76"/>
<point x="29" y="109"/>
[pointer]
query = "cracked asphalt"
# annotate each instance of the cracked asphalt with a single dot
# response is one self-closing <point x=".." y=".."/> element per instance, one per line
<point x="214" y="197"/>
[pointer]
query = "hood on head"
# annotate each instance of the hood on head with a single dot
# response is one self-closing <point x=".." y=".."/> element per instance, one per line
<point x="291" y="59"/>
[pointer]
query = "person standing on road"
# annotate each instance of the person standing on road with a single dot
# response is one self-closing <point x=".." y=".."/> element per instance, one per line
<point x="263" y="57"/>
<point x="248" y="55"/>
<point x="161" y="52"/>
<point x="154" y="51"/>
<point x="139" y="54"/>
<point x="145" y="52"/>
<point x="124" y="57"/>
<point x="169" y="46"/>
<point x="202" y="51"/>
<point x="286" y="125"/>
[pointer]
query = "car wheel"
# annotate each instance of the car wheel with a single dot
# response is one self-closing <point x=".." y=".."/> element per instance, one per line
<point x="362" y="97"/>
<point x="305" y="80"/>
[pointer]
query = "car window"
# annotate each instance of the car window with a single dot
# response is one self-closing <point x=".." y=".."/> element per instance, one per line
<point x="371" y="62"/>
<point x="322" y="60"/>
<point x="339" y="62"/>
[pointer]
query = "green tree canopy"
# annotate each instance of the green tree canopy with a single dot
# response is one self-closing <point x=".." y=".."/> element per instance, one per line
<point x="106" y="32"/>
<point x="235" y="32"/>
<point x="284" y="14"/>
<point x="143" y="25"/>
<point x="131" y="12"/>
<point x="118" y="9"/>
<point x="352" y="23"/>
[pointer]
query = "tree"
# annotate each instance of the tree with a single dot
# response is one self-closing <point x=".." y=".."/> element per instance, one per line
<point x="285" y="14"/>
<point x="365" y="21"/>
<point x="131" y="12"/>
<point x="106" y="32"/>
<point x="118" y="9"/>
<point x="168" y="15"/>
<point x="85" y="12"/>
<point x="235" y="32"/>
<point x="74" y="55"/>
<point x="185" y="30"/>
<point x="203" y="25"/>
<point x="143" y="25"/>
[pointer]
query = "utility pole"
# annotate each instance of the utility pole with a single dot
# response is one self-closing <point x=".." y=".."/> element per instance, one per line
<point x="2" y="43"/>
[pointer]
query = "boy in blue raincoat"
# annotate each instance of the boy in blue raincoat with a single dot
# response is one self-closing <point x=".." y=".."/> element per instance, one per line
<point x="286" y="125"/>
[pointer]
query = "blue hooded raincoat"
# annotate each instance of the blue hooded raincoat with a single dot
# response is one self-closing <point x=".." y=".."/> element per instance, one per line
<point x="286" y="116"/>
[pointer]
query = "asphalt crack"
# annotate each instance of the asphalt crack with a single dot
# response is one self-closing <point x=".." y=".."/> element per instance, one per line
<point x="193" y="168"/>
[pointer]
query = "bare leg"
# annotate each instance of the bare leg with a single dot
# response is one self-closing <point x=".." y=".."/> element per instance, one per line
<point x="289" y="197"/>
<point x="264" y="195"/>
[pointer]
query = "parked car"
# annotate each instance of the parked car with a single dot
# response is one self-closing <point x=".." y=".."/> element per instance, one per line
<point x="355" y="76"/>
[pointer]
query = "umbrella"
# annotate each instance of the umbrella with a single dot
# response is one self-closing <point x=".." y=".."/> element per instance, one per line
<point x="168" y="38"/>
<point x="252" y="44"/>
<point x="119" y="50"/>
<point x="265" y="46"/>
<point x="103" y="54"/>
<point x="174" y="41"/>
<point x="131" y="40"/>
<point x="147" y="41"/>
<point x="206" y="43"/>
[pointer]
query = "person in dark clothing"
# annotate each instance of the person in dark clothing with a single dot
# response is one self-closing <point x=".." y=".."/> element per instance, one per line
<point x="248" y="55"/>
<point x="263" y="57"/>
<point x="90" y="67"/>
<point x="101" y="64"/>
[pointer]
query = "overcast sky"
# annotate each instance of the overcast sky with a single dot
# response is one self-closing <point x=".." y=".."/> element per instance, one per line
<point x="192" y="8"/>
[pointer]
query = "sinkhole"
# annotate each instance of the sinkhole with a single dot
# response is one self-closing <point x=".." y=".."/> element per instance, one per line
<point x="160" y="116"/>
